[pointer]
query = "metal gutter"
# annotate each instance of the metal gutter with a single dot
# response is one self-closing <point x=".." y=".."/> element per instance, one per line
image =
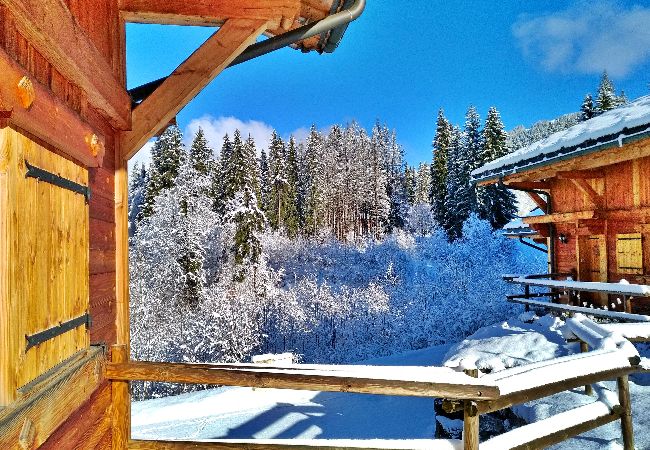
<point x="626" y="136"/>
<point x="335" y="24"/>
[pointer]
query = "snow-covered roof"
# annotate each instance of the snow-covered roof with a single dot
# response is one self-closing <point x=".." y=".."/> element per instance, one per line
<point x="615" y="127"/>
<point x="516" y="227"/>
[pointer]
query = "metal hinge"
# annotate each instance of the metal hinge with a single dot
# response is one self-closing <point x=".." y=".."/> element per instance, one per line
<point x="51" y="333"/>
<point x="57" y="180"/>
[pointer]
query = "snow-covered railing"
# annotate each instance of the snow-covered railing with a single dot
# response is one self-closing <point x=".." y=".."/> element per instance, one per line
<point x="625" y="289"/>
<point x="611" y="359"/>
<point x="605" y="314"/>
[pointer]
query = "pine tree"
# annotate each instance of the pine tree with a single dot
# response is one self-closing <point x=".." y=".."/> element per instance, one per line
<point x="166" y="157"/>
<point x="396" y="187"/>
<point x="201" y="155"/>
<point x="606" y="98"/>
<point x="312" y="174"/>
<point x="221" y="174"/>
<point x="423" y="183"/>
<point x="587" y="109"/>
<point x="379" y="207"/>
<point x="410" y="184"/>
<point x="137" y="188"/>
<point x="265" y="184"/>
<point x="496" y="203"/>
<point x="278" y="179"/>
<point x="292" y="211"/>
<point x="439" y="167"/>
<point x="458" y="205"/>
<point x="241" y="208"/>
<point x="473" y="150"/>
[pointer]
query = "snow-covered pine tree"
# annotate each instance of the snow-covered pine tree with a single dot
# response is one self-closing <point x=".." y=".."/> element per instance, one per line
<point x="379" y="201"/>
<point x="587" y="109"/>
<point x="496" y="204"/>
<point x="220" y="175"/>
<point x="458" y="203"/>
<point x="137" y="185"/>
<point x="278" y="179"/>
<point x="265" y="184"/>
<point x="396" y="188"/>
<point x="423" y="183"/>
<point x="241" y="210"/>
<point x="606" y="98"/>
<point x="439" y="167"/>
<point x="410" y="183"/>
<point x="166" y="157"/>
<point x="473" y="149"/>
<point x="292" y="209"/>
<point x="201" y="155"/>
<point x="312" y="165"/>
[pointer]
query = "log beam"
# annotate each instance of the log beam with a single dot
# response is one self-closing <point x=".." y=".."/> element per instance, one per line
<point x="51" y="28"/>
<point x="594" y="197"/>
<point x="188" y="80"/>
<point x="539" y="185"/>
<point x="30" y="106"/>
<point x="539" y="201"/>
<point x="563" y="217"/>
<point x="277" y="13"/>
<point x="580" y="174"/>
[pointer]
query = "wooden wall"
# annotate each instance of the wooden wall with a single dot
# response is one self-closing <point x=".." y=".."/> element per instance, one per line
<point x="626" y="191"/>
<point x="88" y="427"/>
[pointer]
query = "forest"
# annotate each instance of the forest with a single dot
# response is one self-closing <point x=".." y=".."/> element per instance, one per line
<point x="333" y="248"/>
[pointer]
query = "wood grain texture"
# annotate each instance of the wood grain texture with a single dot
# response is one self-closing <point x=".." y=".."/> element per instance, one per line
<point x="47" y="117"/>
<point x="121" y="408"/>
<point x="188" y="80"/>
<point x="333" y="381"/>
<point x="53" y="30"/>
<point x="50" y="399"/>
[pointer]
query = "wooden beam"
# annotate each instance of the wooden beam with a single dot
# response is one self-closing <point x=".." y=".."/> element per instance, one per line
<point x="51" y="28"/>
<point x="580" y="174"/>
<point x="121" y="410"/>
<point x="188" y="80"/>
<point x="31" y="106"/>
<point x="562" y="217"/>
<point x="49" y="400"/>
<point x="586" y="188"/>
<point x="360" y="380"/>
<point x="210" y="12"/>
<point x="538" y="185"/>
<point x="539" y="201"/>
<point x="297" y="444"/>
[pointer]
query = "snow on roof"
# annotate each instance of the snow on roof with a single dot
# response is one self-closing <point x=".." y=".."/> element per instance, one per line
<point x="613" y="126"/>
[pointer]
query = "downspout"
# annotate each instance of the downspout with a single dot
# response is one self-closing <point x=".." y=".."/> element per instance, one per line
<point x="549" y="211"/>
<point x="326" y="25"/>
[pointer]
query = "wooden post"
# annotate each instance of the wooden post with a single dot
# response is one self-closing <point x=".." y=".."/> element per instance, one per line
<point x="471" y="419"/>
<point x="626" y="417"/>
<point x="470" y="426"/>
<point x="584" y="348"/>
<point x="121" y="403"/>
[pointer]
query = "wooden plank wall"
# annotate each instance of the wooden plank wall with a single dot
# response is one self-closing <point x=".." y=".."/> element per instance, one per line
<point x="626" y="187"/>
<point x="89" y="426"/>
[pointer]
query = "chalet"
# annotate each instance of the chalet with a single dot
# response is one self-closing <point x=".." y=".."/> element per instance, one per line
<point x="593" y="182"/>
<point x="68" y="126"/>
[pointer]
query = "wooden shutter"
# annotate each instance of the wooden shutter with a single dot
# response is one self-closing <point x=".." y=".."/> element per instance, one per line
<point x="629" y="253"/>
<point x="44" y="241"/>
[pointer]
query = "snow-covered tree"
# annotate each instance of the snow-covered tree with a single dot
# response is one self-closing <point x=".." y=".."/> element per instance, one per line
<point x="278" y="179"/>
<point x="293" y="209"/>
<point x="167" y="154"/>
<point x="311" y="175"/>
<point x="606" y="98"/>
<point x="439" y="167"/>
<point x="201" y="155"/>
<point x="496" y="203"/>
<point x="587" y="110"/>
<point x="137" y="186"/>
<point x="265" y="183"/>
<point x="458" y="203"/>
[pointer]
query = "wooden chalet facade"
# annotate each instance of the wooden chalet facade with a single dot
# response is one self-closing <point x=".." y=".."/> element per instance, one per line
<point x="68" y="126"/>
<point x="593" y="182"/>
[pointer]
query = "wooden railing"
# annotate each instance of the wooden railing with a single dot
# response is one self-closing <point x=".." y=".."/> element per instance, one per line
<point x="473" y="396"/>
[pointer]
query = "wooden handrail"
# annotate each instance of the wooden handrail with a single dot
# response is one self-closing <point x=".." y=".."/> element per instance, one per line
<point x="412" y="381"/>
<point x="617" y="315"/>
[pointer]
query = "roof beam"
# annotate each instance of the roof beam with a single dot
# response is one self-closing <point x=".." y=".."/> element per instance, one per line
<point x="188" y="80"/>
<point x="561" y="217"/>
<point x="30" y="106"/>
<point x="586" y="188"/>
<point x="581" y="174"/>
<point x="528" y="185"/>
<point x="278" y="13"/>
<point x="53" y="31"/>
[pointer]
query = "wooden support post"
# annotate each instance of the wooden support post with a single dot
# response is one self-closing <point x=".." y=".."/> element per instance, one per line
<point x="121" y="403"/>
<point x="626" y="416"/>
<point x="470" y="426"/>
<point x="584" y="348"/>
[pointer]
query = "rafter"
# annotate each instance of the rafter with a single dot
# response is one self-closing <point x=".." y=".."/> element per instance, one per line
<point x="188" y="80"/>
<point x="278" y="13"/>
<point x="525" y="185"/>
<point x="53" y="31"/>
<point x="539" y="201"/>
<point x="580" y="174"/>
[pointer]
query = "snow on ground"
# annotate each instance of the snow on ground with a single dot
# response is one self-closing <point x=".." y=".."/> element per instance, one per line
<point x="240" y="413"/>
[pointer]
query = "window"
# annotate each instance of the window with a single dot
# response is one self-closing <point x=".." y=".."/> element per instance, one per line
<point x="629" y="254"/>
<point x="44" y="246"/>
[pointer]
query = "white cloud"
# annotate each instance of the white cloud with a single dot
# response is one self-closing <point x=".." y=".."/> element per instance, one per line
<point x="216" y="127"/>
<point x="588" y="37"/>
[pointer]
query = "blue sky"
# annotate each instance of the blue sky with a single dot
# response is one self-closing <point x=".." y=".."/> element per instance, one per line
<point x="532" y="60"/>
